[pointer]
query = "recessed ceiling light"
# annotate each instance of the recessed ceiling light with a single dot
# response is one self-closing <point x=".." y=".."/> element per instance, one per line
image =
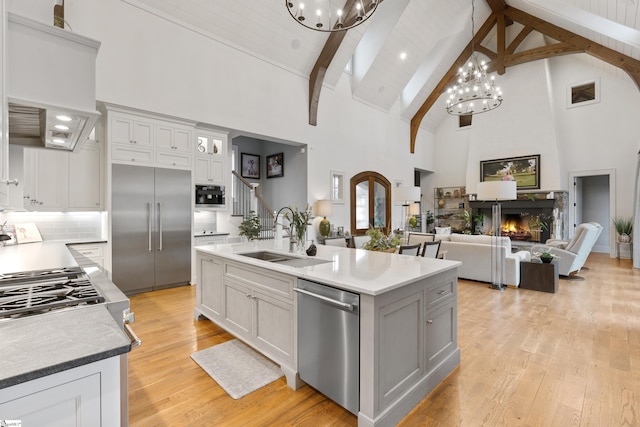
<point x="64" y="118"/>
<point x="403" y="55"/>
<point x="61" y="127"/>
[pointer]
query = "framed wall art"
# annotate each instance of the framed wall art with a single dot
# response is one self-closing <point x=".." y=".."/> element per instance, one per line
<point x="275" y="165"/>
<point x="250" y="166"/>
<point x="525" y="170"/>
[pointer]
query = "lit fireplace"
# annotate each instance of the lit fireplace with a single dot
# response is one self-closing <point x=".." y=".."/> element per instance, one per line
<point x="517" y="228"/>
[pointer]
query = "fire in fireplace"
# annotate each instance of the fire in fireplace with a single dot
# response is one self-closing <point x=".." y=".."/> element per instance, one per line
<point x="516" y="228"/>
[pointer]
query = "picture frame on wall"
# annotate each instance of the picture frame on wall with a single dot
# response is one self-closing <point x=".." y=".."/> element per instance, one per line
<point x="275" y="165"/>
<point x="525" y="170"/>
<point x="250" y="166"/>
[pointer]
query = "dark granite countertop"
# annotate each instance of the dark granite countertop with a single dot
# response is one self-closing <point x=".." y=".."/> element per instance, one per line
<point x="44" y="344"/>
<point x="37" y="346"/>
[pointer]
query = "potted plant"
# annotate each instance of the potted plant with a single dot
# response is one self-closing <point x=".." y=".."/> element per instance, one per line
<point x="546" y="257"/>
<point x="298" y="220"/>
<point x="624" y="227"/>
<point x="250" y="227"/>
<point x="381" y="242"/>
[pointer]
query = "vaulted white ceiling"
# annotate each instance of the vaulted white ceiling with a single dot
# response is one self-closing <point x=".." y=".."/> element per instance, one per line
<point x="431" y="33"/>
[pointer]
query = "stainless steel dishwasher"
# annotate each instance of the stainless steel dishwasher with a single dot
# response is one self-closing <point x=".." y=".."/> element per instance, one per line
<point x="329" y="342"/>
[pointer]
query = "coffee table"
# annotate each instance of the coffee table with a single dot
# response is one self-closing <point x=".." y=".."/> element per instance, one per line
<point x="538" y="276"/>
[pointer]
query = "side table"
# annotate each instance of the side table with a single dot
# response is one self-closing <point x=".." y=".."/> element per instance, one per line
<point x="539" y="276"/>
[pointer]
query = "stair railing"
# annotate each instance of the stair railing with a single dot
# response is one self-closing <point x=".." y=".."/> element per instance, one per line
<point x="247" y="198"/>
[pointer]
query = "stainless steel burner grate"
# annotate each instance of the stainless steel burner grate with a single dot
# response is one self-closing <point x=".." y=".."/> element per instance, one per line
<point x="40" y="291"/>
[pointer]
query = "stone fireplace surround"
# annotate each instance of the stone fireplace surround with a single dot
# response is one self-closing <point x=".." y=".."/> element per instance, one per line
<point x="514" y="215"/>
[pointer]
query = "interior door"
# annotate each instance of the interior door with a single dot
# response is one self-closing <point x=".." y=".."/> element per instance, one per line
<point x="172" y="227"/>
<point x="577" y="204"/>
<point x="132" y="228"/>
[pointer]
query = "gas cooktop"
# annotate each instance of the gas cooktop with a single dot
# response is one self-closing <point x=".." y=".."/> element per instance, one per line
<point x="40" y="291"/>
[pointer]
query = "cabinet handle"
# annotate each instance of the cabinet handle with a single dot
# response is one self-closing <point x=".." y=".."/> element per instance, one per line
<point x="429" y="322"/>
<point x="442" y="292"/>
<point x="248" y="295"/>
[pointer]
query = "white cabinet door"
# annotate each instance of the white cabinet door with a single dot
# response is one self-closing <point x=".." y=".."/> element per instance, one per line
<point x="164" y="137"/>
<point x="183" y="141"/>
<point x="238" y="305"/>
<point x="210" y="285"/>
<point x="85" y="184"/>
<point x="88" y="395"/>
<point x="47" y="173"/>
<point x="201" y="170"/>
<point x="273" y="326"/>
<point x="209" y="170"/>
<point x="440" y="333"/>
<point x="76" y="403"/>
<point x="127" y="130"/>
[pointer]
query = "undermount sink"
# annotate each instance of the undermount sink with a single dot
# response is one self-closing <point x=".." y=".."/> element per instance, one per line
<point x="282" y="259"/>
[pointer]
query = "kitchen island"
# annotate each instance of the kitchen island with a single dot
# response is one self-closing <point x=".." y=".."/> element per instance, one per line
<point x="407" y="308"/>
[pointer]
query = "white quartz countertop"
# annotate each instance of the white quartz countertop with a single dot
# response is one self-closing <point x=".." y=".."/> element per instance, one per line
<point x="355" y="270"/>
<point x="35" y="256"/>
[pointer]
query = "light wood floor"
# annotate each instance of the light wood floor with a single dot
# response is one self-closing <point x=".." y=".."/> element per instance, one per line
<point x="528" y="359"/>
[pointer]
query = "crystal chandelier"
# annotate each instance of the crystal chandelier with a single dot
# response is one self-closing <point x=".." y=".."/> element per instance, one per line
<point x="474" y="92"/>
<point x="329" y="15"/>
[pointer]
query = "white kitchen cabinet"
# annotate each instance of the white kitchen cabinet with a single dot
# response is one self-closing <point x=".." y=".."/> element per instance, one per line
<point x="4" y="143"/>
<point x="210" y="296"/>
<point x="147" y="139"/>
<point x="93" y="251"/>
<point x="174" y="139"/>
<point x="127" y="130"/>
<point x="63" y="181"/>
<point x="440" y="333"/>
<point x="46" y="175"/>
<point x="257" y="306"/>
<point x="209" y="170"/>
<point x="210" y="240"/>
<point x="86" y="174"/>
<point x="88" y="395"/>
<point x="210" y="157"/>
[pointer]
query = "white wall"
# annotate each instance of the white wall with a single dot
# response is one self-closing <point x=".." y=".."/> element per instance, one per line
<point x="149" y="63"/>
<point x="534" y="119"/>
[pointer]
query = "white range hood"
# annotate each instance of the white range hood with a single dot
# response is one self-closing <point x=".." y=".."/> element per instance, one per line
<point x="51" y="81"/>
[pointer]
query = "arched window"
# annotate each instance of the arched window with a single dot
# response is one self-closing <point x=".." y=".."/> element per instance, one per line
<point x="370" y="202"/>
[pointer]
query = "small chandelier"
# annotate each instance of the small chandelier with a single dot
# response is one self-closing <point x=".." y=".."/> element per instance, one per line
<point x="327" y="17"/>
<point x="474" y="92"/>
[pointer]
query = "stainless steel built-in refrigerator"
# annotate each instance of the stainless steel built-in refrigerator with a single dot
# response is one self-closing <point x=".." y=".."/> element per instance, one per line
<point x="151" y="228"/>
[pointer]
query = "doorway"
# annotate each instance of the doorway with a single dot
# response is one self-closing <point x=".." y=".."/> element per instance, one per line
<point x="592" y="199"/>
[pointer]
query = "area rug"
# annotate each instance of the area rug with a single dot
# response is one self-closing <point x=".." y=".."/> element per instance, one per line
<point x="237" y="368"/>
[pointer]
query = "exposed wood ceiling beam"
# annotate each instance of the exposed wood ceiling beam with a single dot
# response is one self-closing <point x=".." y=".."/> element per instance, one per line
<point x="506" y="57"/>
<point x="449" y="78"/>
<point x="630" y="65"/>
<point x="316" y="78"/>
<point x="496" y="6"/>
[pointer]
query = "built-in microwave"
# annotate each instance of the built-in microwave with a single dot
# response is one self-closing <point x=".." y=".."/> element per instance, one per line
<point x="209" y="195"/>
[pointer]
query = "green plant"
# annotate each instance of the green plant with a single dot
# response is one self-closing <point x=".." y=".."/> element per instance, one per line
<point x="298" y="220"/>
<point x="413" y="222"/>
<point x="379" y="241"/>
<point x="250" y="227"/>
<point x="623" y="225"/>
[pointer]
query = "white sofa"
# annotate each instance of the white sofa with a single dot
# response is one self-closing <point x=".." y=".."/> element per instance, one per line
<point x="474" y="251"/>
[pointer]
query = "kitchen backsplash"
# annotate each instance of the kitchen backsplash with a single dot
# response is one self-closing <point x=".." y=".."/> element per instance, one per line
<point x="204" y="220"/>
<point x="61" y="225"/>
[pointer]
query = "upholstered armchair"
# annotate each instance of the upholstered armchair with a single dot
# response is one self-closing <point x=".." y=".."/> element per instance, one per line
<point x="575" y="252"/>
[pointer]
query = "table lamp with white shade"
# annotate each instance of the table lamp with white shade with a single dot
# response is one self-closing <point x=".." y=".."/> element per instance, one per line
<point x="324" y="208"/>
<point x="496" y="191"/>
